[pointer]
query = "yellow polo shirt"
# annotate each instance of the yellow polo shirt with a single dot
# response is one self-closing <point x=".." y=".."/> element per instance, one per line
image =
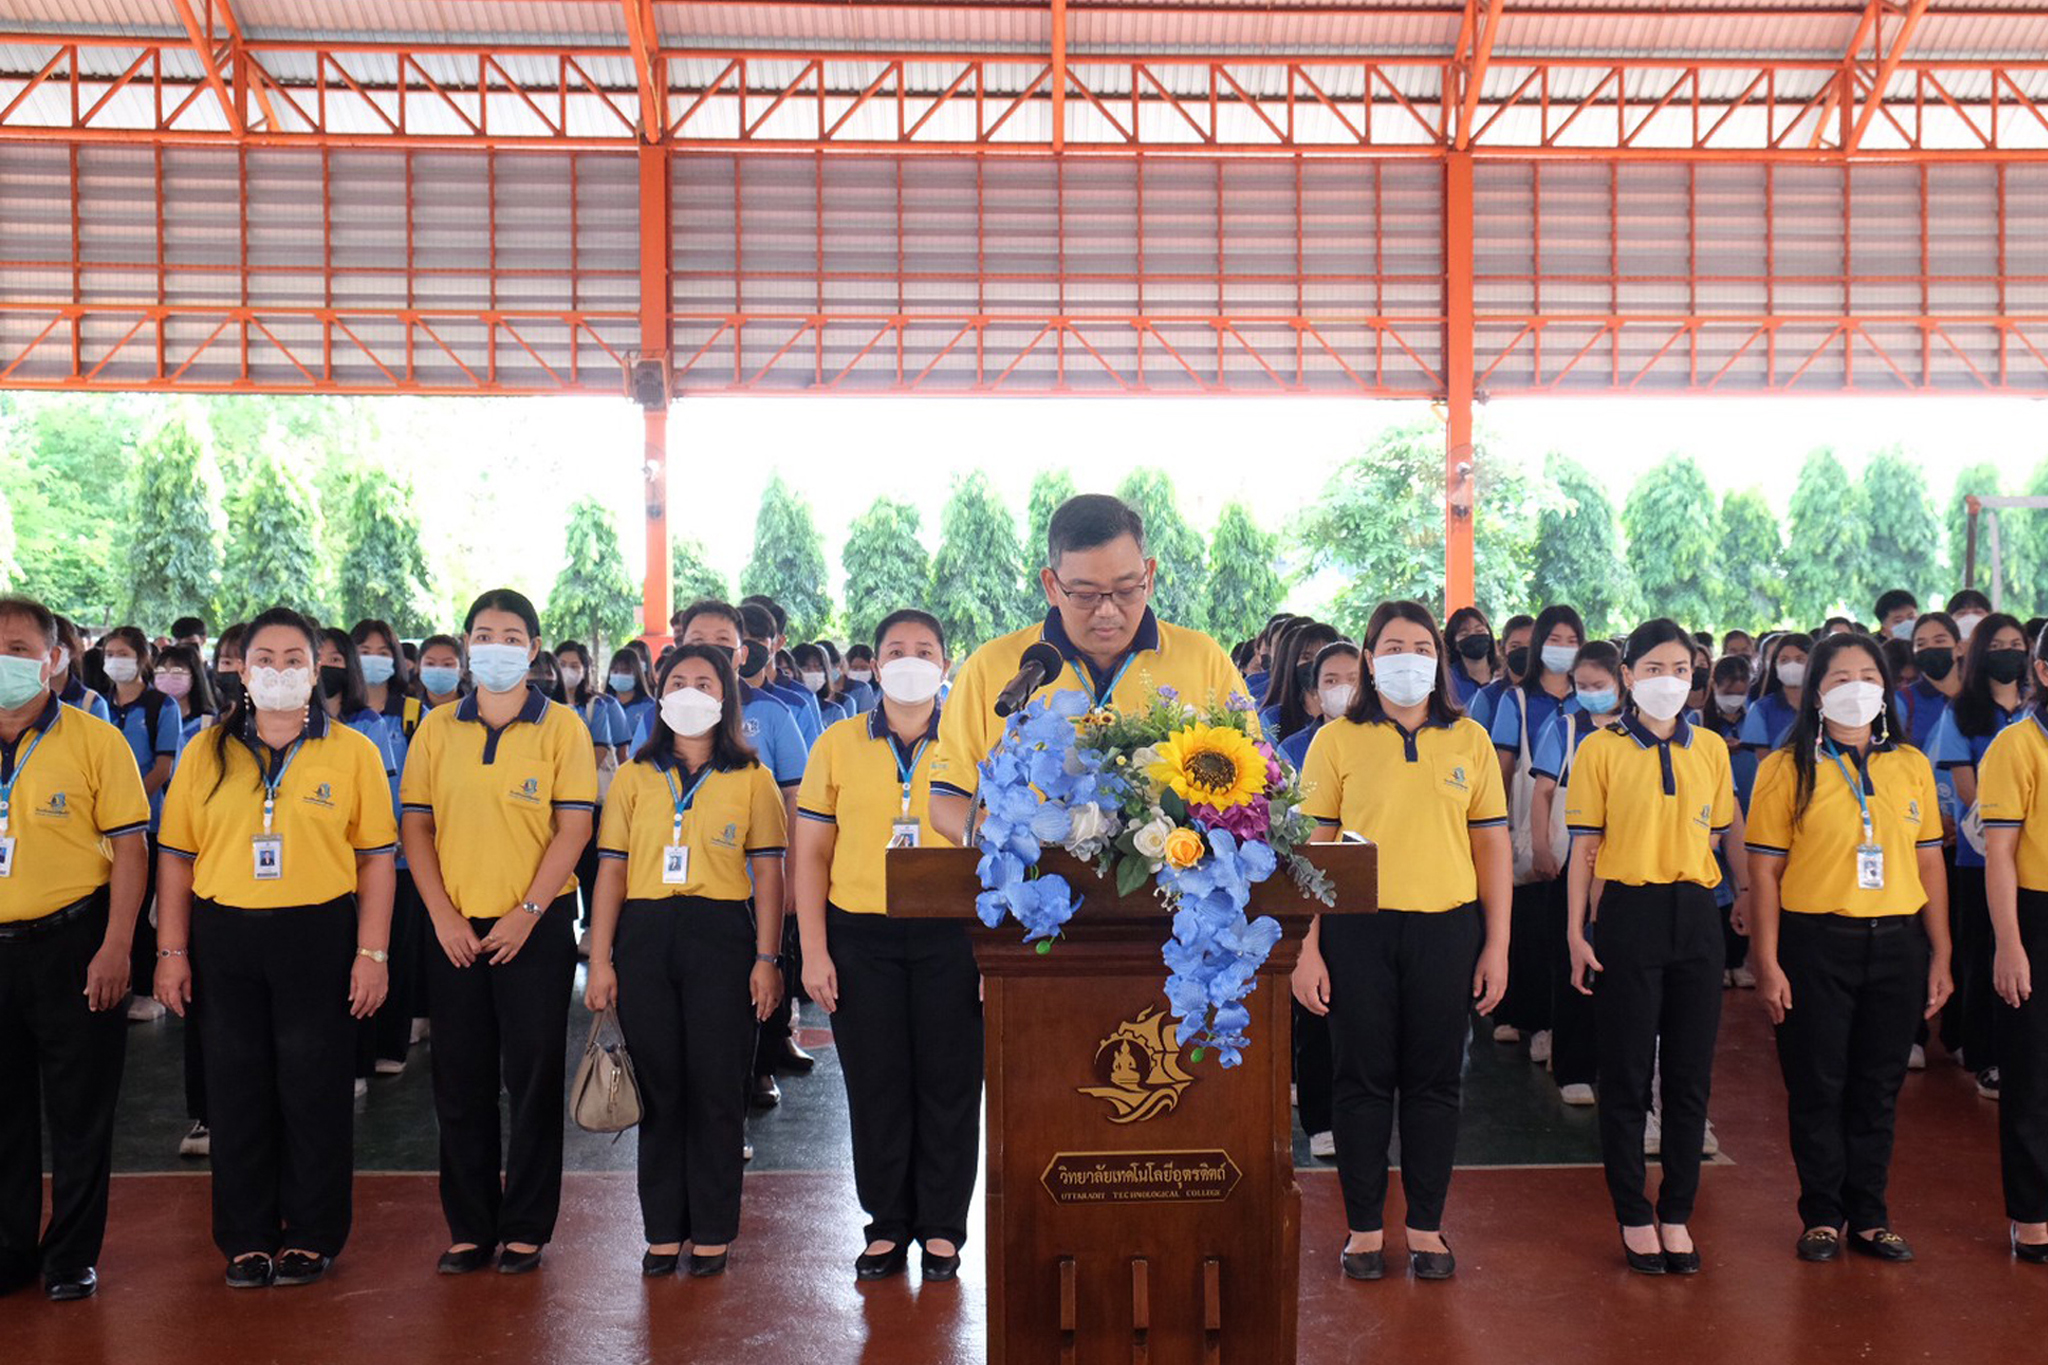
<point x="1820" y="849"/>
<point x="333" y="806"/>
<point x="78" y="791"/>
<point x="736" y="814"/>
<point x="2011" y="782"/>
<point x="1655" y="803"/>
<point x="854" y="782"/>
<point x="1161" y="655"/>
<point x="494" y="793"/>
<point x="1418" y="796"/>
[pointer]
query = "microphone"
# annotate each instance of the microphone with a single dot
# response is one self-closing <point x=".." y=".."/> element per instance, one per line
<point x="1040" y="662"/>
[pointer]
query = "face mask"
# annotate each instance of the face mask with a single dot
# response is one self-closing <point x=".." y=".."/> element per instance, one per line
<point x="1599" y="701"/>
<point x="623" y="682"/>
<point x="753" y="657"/>
<point x="1934" y="664"/>
<point x="1853" y="704"/>
<point x="333" y="680"/>
<point x="1305" y="678"/>
<point x="1475" y="647"/>
<point x="690" y="712"/>
<point x="378" y="668"/>
<point x="2005" y="665"/>
<point x="1792" y="675"/>
<point x="21" y="681"/>
<point x="1662" y="698"/>
<point x="813" y="680"/>
<point x="1903" y="631"/>
<point x="280" y="689"/>
<point x="1731" y="703"/>
<point x="121" y="669"/>
<point x="1559" y="658"/>
<point x="440" y="680"/>
<point x="1518" y="660"/>
<point x="499" y="668"/>
<point x="571" y="677"/>
<point x="860" y="675"/>
<point x="911" y="682"/>
<point x="1337" y="699"/>
<point x="1966" y="625"/>
<point x="1404" y="679"/>
<point x="174" y="685"/>
<point x="832" y="673"/>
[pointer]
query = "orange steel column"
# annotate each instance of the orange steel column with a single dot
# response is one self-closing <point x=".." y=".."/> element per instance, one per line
<point x="654" y="346"/>
<point x="1458" y="380"/>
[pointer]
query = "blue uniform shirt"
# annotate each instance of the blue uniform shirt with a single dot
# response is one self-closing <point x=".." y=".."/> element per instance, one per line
<point x="1506" y="723"/>
<point x="803" y="706"/>
<point x="132" y="721"/>
<point x="771" y="729"/>
<point x="1953" y="749"/>
<point x="1767" y="723"/>
<point x="76" y="694"/>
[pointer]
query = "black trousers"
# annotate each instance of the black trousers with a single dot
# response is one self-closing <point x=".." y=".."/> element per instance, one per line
<point x="1859" y="987"/>
<point x="1531" y="965"/>
<point x="195" y="1065"/>
<point x="908" y="1029"/>
<point x="57" y="1058"/>
<point x="1975" y="1002"/>
<point x="1662" y="952"/>
<point x="689" y="1023"/>
<point x="771" y="1040"/>
<point x="387" y="1034"/>
<point x="2023" y="1088"/>
<point x="503" y="1026"/>
<point x="280" y="1049"/>
<point x="1574" y="1028"/>
<point x="1735" y="946"/>
<point x="142" y="949"/>
<point x="1400" y="1005"/>
<point x="1313" y="1076"/>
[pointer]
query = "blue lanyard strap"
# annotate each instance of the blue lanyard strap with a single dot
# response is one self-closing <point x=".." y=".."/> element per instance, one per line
<point x="7" y="787"/>
<point x="1857" y="787"/>
<point x="1102" y="695"/>
<point x="683" y="799"/>
<point x="907" y="772"/>
<point x="272" y="781"/>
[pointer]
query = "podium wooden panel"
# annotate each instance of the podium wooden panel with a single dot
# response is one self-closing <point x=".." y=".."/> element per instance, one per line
<point x="1142" y="1207"/>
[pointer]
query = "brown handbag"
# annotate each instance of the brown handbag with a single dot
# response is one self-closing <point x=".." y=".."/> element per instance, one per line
<point x="605" y="1096"/>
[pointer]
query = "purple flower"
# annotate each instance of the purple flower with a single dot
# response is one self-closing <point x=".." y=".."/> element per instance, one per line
<point x="1252" y="820"/>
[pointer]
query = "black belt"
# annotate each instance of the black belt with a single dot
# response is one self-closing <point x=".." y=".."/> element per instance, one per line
<point x="216" y="908"/>
<point x="1854" y="924"/>
<point x="50" y="923"/>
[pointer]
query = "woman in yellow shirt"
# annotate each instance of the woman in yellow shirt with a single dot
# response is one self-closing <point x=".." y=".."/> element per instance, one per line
<point x="279" y="824"/>
<point x="1849" y="931"/>
<point x="1408" y="771"/>
<point x="903" y="994"/>
<point x="684" y="930"/>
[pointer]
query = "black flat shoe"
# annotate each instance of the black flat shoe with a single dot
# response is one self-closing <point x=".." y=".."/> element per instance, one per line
<point x="300" y="1267"/>
<point x="465" y="1262"/>
<point x="2033" y="1253"/>
<point x="940" y="1269"/>
<point x="766" y="1094"/>
<point x="795" y="1061"/>
<point x="656" y="1264"/>
<point x="249" y="1272"/>
<point x="1433" y="1265"/>
<point x="704" y="1267"/>
<point x="885" y="1266"/>
<point x="71" y="1286"/>
<point x="1682" y="1262"/>
<point x="1818" y="1245"/>
<point x="1882" y="1245"/>
<point x="1651" y="1263"/>
<point x="1364" y="1265"/>
<point x="519" y="1262"/>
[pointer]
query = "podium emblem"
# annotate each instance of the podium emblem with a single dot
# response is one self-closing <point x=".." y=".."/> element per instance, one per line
<point x="1139" y="1065"/>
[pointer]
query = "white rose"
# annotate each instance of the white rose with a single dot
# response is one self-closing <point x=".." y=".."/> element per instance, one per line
<point x="1145" y="758"/>
<point x="1150" y="841"/>
<point x="1086" y="825"/>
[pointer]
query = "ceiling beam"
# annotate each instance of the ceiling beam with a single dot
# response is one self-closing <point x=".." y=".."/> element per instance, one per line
<point x="645" y="41"/>
<point x="1475" y="53"/>
<point x="1888" y="64"/>
<point x="209" y="64"/>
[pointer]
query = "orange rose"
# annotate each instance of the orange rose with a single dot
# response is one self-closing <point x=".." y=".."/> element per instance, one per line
<point x="1184" y="848"/>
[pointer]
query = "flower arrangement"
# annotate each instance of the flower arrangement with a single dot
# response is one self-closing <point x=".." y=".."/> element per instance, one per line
<point x="1183" y="796"/>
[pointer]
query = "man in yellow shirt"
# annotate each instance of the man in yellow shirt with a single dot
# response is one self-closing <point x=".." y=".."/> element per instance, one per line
<point x="73" y="858"/>
<point x="1098" y="583"/>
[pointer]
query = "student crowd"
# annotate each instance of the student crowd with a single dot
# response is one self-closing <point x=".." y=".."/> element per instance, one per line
<point x="322" y="847"/>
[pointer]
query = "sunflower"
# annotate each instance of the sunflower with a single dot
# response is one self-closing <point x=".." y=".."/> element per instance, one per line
<point x="1209" y="765"/>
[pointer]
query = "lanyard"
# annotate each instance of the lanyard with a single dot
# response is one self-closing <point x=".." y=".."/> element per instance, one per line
<point x="7" y="787"/>
<point x="272" y="782"/>
<point x="1869" y="835"/>
<point x="907" y="771"/>
<point x="1102" y="697"/>
<point x="683" y="799"/>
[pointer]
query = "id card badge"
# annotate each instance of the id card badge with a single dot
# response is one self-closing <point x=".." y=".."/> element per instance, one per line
<point x="268" y="852"/>
<point x="675" y="865"/>
<point x="6" y="855"/>
<point x="1869" y="867"/>
<point x="904" y="834"/>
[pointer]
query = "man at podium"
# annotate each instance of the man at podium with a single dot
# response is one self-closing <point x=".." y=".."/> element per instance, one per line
<point x="1098" y="583"/>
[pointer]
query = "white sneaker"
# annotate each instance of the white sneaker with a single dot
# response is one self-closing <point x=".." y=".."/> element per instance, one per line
<point x="1506" y="1033"/>
<point x="1294" y="1096"/>
<point x="1744" y="977"/>
<point x="196" y="1142"/>
<point x="1577" y="1095"/>
<point x="1653" y="1136"/>
<point x="1916" y="1060"/>
<point x="1539" y="1047"/>
<point x="1712" y="1143"/>
<point x="362" y="1088"/>
<point x="747" y="1150"/>
<point x="1728" y="981"/>
<point x="1322" y="1145"/>
<point x="387" y="1067"/>
<point x="421" y="1031"/>
<point x="143" y="1010"/>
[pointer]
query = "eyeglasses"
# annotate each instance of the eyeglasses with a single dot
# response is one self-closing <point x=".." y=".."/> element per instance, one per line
<point x="1123" y="597"/>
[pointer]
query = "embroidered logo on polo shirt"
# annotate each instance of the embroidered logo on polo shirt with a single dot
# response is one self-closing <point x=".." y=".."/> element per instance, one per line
<point x="528" y="791"/>
<point x="750" y="727"/>
<point x="322" y="795"/>
<point x="1913" y="811"/>
<point x="1457" y="778"/>
<point x="729" y="837"/>
<point x="55" y="806"/>
<point x="1705" y="819"/>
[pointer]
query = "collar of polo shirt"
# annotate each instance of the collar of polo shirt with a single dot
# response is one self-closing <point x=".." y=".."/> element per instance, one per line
<point x="1055" y="634"/>
<point x="1640" y="733"/>
<point x="878" y="725"/>
<point x="536" y="706"/>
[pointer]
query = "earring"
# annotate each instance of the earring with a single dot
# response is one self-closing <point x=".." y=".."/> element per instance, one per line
<point x="1884" y="727"/>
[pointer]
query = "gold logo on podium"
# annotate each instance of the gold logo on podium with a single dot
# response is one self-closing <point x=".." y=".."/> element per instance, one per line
<point x="1140" y="1063"/>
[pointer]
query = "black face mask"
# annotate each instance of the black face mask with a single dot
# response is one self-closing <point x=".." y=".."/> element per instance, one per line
<point x="333" y="680"/>
<point x="2005" y="665"/>
<point x="1476" y="647"/>
<point x="1934" y="664"/>
<point x="1305" y="678"/>
<point x="228" y="688"/>
<point x="1518" y="660"/>
<point x="752" y="659"/>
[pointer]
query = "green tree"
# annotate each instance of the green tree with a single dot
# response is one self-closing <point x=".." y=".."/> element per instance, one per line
<point x="789" y="561"/>
<point x="273" y="554"/>
<point x="1674" y="542"/>
<point x="1904" y="539"/>
<point x="1181" y="594"/>
<point x="886" y="566"/>
<point x="177" y="526"/>
<point x="1379" y="524"/>
<point x="67" y="479"/>
<point x="594" y="599"/>
<point x="1577" y="557"/>
<point x="978" y="576"/>
<point x="8" y="568"/>
<point x="1978" y="480"/>
<point x="1243" y="588"/>
<point x="1824" y="550"/>
<point x="2023" y="537"/>
<point x="1049" y="488"/>
<point x="1752" y="564"/>
<point x="1503" y="532"/>
<point x="384" y="572"/>
<point x="691" y="577"/>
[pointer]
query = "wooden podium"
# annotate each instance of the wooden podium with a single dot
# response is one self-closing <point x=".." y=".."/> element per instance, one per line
<point x="1142" y="1206"/>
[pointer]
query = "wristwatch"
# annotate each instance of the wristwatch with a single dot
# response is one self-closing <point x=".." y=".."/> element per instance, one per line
<point x="530" y="908"/>
<point x="766" y="957"/>
<point x="376" y="955"/>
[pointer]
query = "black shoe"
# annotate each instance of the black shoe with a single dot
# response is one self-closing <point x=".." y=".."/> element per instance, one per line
<point x="1364" y="1265"/>
<point x="300" y="1267"/>
<point x="519" y="1262"/>
<point x="704" y="1267"/>
<point x="794" y="1061"/>
<point x="465" y="1262"/>
<point x="1433" y="1265"/>
<point x="940" y="1269"/>
<point x="1643" y="1264"/>
<point x="1882" y="1245"/>
<point x="71" y="1285"/>
<point x="2033" y="1253"/>
<point x="884" y="1266"/>
<point x="766" y="1093"/>
<point x="656" y="1264"/>
<point x="1818" y="1245"/>
<point x="1682" y="1262"/>
<point x="249" y="1272"/>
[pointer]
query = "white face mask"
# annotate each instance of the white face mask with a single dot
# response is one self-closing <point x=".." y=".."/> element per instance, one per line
<point x="1731" y="702"/>
<point x="1661" y="698"/>
<point x="1903" y="630"/>
<point x="1337" y="699"/>
<point x="1965" y="624"/>
<point x="1559" y="658"/>
<point x="120" y="668"/>
<point x="860" y="675"/>
<point x="1792" y="675"/>
<point x="911" y="681"/>
<point x="690" y="712"/>
<point x="280" y="689"/>
<point x="1404" y="679"/>
<point x="572" y="678"/>
<point x="813" y="681"/>
<point x="1853" y="704"/>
